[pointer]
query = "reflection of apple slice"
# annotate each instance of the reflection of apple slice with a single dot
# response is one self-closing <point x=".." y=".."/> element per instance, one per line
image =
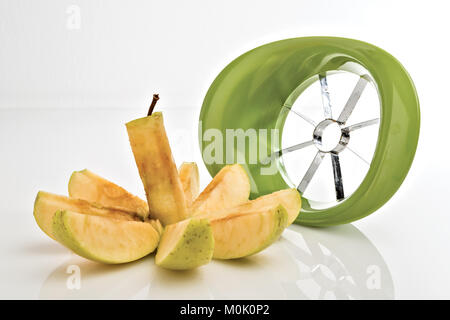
<point x="260" y="276"/>
<point x="190" y="181"/>
<point x="239" y="235"/>
<point x="186" y="245"/>
<point x="157" y="168"/>
<point x="229" y="188"/>
<point x="78" y="278"/>
<point x="88" y="186"/>
<point x="103" y="239"/>
<point x="46" y="204"/>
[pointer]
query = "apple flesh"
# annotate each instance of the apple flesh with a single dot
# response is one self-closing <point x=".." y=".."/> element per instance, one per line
<point x="156" y="224"/>
<point x="239" y="235"/>
<point x="46" y="204"/>
<point x="229" y="188"/>
<point x="190" y="181"/>
<point x="186" y="245"/>
<point x="88" y="186"/>
<point x="289" y="198"/>
<point x="103" y="239"/>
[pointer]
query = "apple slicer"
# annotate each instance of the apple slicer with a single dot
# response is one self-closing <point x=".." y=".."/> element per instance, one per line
<point x="340" y="119"/>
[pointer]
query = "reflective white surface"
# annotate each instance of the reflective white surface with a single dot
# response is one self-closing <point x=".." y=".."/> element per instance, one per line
<point x="304" y="264"/>
<point x="401" y="251"/>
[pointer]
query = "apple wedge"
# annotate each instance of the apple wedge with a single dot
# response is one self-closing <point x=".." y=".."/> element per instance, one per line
<point x="46" y="204"/>
<point x="104" y="239"/>
<point x="240" y="235"/>
<point x="157" y="169"/>
<point x="229" y="188"/>
<point x="190" y="181"/>
<point x="186" y="245"/>
<point x="289" y="198"/>
<point x="88" y="186"/>
<point x="156" y="225"/>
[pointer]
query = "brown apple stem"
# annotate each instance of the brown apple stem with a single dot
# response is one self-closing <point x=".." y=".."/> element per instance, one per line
<point x="153" y="104"/>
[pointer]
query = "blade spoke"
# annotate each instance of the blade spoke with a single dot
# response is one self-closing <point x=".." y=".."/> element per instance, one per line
<point x="358" y="155"/>
<point x="325" y="97"/>
<point x="363" y="124"/>
<point x="310" y="172"/>
<point x="337" y="176"/>
<point x="279" y="153"/>
<point x="295" y="147"/>
<point x="301" y="115"/>
<point x="352" y="100"/>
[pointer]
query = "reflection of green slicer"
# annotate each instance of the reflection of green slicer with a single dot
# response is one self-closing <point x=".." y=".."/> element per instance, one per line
<point x="260" y="89"/>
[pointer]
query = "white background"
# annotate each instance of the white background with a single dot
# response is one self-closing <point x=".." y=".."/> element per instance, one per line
<point x="66" y="93"/>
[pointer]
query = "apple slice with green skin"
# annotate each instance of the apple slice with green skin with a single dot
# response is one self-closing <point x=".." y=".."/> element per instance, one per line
<point x="239" y="235"/>
<point x="46" y="204"/>
<point x="104" y="239"/>
<point x="229" y="188"/>
<point x="157" y="169"/>
<point x="290" y="199"/>
<point x="186" y="245"/>
<point x="91" y="187"/>
<point x="190" y="181"/>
